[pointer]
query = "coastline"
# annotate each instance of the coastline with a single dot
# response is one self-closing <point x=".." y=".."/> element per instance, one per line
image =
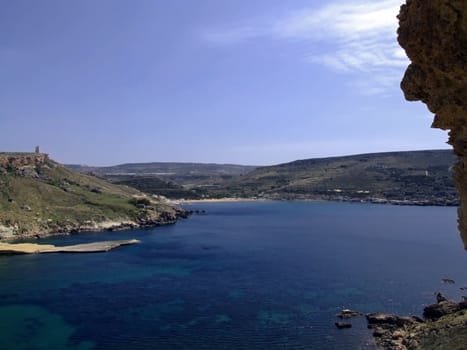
<point x="439" y="202"/>
<point x="9" y="235"/>
<point x="442" y="327"/>
<point x="35" y="248"/>
<point x="215" y="200"/>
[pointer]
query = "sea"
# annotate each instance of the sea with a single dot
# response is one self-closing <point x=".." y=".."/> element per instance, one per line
<point x="242" y="275"/>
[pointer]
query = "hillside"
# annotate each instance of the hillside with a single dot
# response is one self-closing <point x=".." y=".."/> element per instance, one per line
<point x="40" y="196"/>
<point x="172" y="180"/>
<point x="185" y="174"/>
<point x="155" y="185"/>
<point x="419" y="177"/>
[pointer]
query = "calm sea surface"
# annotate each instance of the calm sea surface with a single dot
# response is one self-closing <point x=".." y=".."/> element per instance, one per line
<point x="258" y="275"/>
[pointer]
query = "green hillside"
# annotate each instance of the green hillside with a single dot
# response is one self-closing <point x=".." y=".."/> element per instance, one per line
<point x="42" y="196"/>
<point x="155" y="185"/>
<point x="419" y="176"/>
<point x="184" y="174"/>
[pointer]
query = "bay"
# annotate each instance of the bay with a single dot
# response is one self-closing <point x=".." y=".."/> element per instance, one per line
<point x="247" y="275"/>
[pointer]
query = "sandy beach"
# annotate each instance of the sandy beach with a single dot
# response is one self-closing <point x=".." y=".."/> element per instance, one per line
<point x="212" y="200"/>
<point x="35" y="248"/>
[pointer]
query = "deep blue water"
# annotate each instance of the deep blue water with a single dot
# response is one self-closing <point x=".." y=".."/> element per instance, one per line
<point x="256" y="275"/>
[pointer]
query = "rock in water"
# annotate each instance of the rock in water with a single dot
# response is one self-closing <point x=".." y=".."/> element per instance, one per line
<point x="343" y="325"/>
<point x="440" y="297"/>
<point x="347" y="313"/>
<point x="448" y="281"/>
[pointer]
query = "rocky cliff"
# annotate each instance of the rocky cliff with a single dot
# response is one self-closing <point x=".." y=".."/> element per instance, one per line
<point x="434" y="36"/>
<point x="20" y="161"/>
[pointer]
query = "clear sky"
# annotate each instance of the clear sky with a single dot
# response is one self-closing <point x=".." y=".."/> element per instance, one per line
<point x="103" y="82"/>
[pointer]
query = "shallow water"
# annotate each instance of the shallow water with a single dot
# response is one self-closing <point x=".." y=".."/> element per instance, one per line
<point x="256" y="275"/>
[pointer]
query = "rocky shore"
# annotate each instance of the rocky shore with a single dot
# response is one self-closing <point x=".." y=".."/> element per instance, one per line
<point x="443" y="326"/>
<point x="164" y="218"/>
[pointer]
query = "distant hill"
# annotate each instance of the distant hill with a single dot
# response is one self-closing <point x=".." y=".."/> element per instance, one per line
<point x="155" y="185"/>
<point x="40" y="196"/>
<point x="186" y="174"/>
<point x="418" y="177"/>
<point x="172" y="180"/>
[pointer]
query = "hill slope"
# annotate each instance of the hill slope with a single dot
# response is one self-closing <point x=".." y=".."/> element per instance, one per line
<point x="172" y="180"/>
<point x="418" y="177"/>
<point x="40" y="196"/>
<point x="185" y="174"/>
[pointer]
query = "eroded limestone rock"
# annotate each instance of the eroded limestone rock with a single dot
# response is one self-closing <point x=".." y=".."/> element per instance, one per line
<point x="434" y="36"/>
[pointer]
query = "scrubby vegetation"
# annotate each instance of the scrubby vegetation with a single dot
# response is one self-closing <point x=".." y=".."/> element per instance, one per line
<point x="51" y="198"/>
<point x="421" y="177"/>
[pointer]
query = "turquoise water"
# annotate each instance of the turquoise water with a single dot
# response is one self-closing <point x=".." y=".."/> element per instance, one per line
<point x="257" y="275"/>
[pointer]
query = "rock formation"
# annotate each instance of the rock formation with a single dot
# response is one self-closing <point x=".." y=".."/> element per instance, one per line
<point x="16" y="160"/>
<point x="434" y="36"/>
<point x="443" y="328"/>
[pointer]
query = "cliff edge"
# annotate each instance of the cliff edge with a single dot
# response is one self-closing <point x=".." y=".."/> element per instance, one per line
<point x="434" y="36"/>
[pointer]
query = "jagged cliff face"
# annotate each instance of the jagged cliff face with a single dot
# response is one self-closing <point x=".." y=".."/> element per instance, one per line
<point x="15" y="160"/>
<point x="23" y="164"/>
<point x="434" y="36"/>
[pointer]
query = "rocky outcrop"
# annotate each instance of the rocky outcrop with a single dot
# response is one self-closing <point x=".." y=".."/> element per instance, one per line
<point x="442" y="308"/>
<point x="444" y="327"/>
<point x="22" y="164"/>
<point x="434" y="36"/>
<point x="147" y="218"/>
<point x="17" y="160"/>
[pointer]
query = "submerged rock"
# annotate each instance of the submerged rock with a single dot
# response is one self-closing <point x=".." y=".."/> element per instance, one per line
<point x="448" y="281"/>
<point x="343" y="325"/>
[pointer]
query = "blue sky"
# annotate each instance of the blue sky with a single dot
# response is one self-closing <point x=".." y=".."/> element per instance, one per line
<point x="227" y="81"/>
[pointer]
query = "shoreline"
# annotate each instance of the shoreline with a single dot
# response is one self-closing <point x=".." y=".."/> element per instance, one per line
<point x="215" y="200"/>
<point x="103" y="226"/>
<point x="442" y="327"/>
<point x="397" y="202"/>
<point x="7" y="233"/>
<point x="36" y="248"/>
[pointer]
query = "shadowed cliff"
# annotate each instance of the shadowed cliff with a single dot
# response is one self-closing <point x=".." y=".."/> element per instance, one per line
<point x="434" y="36"/>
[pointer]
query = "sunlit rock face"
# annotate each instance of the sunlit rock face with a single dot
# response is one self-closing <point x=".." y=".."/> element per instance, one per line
<point x="434" y="36"/>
